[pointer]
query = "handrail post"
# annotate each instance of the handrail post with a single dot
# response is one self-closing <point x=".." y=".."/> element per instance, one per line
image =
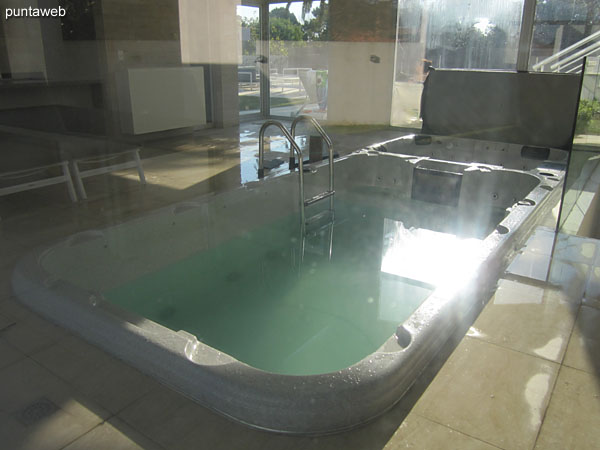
<point x="557" y="56"/>
<point x="294" y="147"/>
<point x="328" y="141"/>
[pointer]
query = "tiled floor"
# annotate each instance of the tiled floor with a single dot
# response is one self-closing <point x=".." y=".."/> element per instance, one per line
<point x="524" y="377"/>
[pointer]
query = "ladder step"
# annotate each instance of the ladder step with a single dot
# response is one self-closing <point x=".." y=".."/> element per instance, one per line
<point x="317" y="217"/>
<point x="318" y="197"/>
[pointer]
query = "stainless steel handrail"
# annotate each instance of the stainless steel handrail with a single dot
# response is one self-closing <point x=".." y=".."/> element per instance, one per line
<point x="327" y="139"/>
<point x="293" y="147"/>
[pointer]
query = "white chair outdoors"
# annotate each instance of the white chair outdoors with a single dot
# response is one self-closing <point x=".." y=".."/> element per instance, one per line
<point x="100" y="167"/>
<point x="38" y="183"/>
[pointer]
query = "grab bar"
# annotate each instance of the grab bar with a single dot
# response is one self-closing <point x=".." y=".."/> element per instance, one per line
<point x="293" y="146"/>
<point x="329" y="143"/>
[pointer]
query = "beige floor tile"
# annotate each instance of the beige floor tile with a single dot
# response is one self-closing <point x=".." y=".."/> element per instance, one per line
<point x="525" y="318"/>
<point x="106" y="380"/>
<point x="10" y="250"/>
<point x="6" y="321"/>
<point x="15" y="310"/>
<point x="491" y="393"/>
<point x="573" y="415"/>
<point x="32" y="334"/>
<point x="9" y="354"/>
<point x="114" y="435"/>
<point x="569" y="276"/>
<point x="592" y="289"/>
<point x="583" y="351"/>
<point x="420" y="433"/>
<point x="541" y="241"/>
<point x="225" y="434"/>
<point x="587" y="323"/>
<point x="6" y="283"/>
<point x="583" y="354"/>
<point x="38" y="411"/>
<point x="530" y="264"/>
<point x="575" y="249"/>
<point x="168" y="418"/>
<point x="592" y="303"/>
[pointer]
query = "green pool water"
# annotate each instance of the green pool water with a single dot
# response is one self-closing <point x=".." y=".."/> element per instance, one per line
<point x="255" y="298"/>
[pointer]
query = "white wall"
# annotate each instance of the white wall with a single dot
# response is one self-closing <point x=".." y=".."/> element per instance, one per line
<point x="24" y="42"/>
<point x="209" y="31"/>
<point x="159" y="99"/>
<point x="359" y="90"/>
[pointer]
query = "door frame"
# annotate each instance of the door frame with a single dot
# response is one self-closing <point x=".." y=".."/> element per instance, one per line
<point x="265" y="72"/>
<point x="263" y="14"/>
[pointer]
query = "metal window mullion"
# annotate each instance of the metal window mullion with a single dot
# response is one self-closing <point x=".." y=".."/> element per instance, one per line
<point x="526" y="35"/>
<point x="265" y="84"/>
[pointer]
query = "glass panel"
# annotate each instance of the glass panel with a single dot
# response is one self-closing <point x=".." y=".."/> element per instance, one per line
<point x="248" y="64"/>
<point x="565" y="31"/>
<point x="298" y="59"/>
<point x="578" y="212"/>
<point x="482" y="34"/>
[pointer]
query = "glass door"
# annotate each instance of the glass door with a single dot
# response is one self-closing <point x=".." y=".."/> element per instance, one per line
<point x="250" y="61"/>
<point x="298" y="62"/>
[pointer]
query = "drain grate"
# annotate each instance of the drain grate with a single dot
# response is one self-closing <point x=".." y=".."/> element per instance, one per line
<point x="36" y="411"/>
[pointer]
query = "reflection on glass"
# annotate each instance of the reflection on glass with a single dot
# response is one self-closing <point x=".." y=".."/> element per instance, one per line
<point x="481" y="34"/>
<point x="578" y="211"/>
<point x="298" y="59"/>
<point x="564" y="32"/>
<point x="248" y="60"/>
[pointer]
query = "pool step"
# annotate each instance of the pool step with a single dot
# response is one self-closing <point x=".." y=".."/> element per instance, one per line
<point x="318" y="197"/>
<point x="316" y="219"/>
<point x="317" y="235"/>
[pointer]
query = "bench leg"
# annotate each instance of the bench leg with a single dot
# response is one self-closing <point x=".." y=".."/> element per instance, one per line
<point x="69" y="181"/>
<point x="138" y="162"/>
<point x="79" y="181"/>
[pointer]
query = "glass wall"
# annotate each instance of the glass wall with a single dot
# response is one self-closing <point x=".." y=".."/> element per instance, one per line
<point x="579" y="212"/>
<point x="482" y="34"/>
<point x="298" y="57"/>
<point x="249" y="63"/>
<point x="565" y="31"/>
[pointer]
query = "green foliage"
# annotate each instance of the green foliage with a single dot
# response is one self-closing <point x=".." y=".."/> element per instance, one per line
<point x="285" y="14"/>
<point x="587" y="114"/>
<point x="317" y="28"/>
<point x="249" y="47"/>
<point x="285" y="26"/>
<point x="284" y="29"/>
<point x="464" y="36"/>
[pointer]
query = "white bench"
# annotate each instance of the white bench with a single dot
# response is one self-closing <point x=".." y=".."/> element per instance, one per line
<point x="100" y="167"/>
<point x="38" y="183"/>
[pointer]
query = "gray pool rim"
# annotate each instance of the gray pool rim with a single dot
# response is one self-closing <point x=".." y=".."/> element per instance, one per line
<point x="310" y="404"/>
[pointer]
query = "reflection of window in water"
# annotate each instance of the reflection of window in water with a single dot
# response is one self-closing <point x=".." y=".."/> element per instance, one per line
<point x="427" y="256"/>
<point x="416" y="261"/>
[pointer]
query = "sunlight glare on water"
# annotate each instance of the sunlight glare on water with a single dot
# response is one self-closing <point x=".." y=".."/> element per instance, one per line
<point x="438" y="259"/>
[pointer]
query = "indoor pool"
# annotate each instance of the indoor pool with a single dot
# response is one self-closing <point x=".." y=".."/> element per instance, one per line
<point x="311" y="329"/>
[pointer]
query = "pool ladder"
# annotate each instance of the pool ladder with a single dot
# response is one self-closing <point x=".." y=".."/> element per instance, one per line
<point x="294" y="148"/>
<point x="306" y="228"/>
